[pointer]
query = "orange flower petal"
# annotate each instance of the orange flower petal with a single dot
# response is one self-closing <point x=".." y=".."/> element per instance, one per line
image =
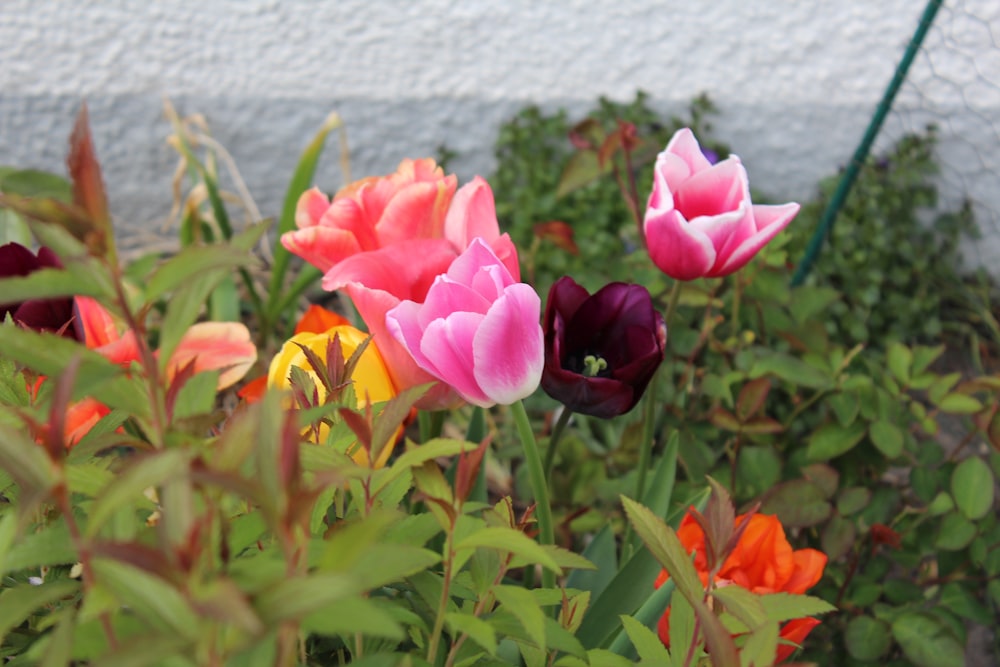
<point x="809" y="565"/>
<point x="794" y="631"/>
<point x="222" y="346"/>
<point x="253" y="390"/>
<point x="318" y="319"/>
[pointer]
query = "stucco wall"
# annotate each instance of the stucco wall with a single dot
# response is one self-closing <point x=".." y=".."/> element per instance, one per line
<point x="795" y="81"/>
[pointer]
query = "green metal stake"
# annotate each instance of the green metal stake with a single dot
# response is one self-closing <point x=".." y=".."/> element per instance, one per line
<point x="861" y="153"/>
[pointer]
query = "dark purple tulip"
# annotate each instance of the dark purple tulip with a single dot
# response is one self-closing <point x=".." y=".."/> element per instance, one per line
<point x="602" y="350"/>
<point x="38" y="314"/>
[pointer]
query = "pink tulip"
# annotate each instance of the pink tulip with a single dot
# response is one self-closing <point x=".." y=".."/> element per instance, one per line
<point x="700" y="221"/>
<point x="371" y="213"/>
<point x="477" y="331"/>
<point x="378" y="280"/>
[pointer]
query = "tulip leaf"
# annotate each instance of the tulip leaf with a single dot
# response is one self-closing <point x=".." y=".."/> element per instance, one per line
<point x="602" y="552"/>
<point x="628" y="590"/>
<point x="661" y="487"/>
<point x="301" y="180"/>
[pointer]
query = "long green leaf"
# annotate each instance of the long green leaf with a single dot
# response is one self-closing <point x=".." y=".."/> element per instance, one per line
<point x="657" y="496"/>
<point x="191" y="263"/>
<point x="302" y="179"/>
<point x="149" y="596"/>
<point x="150" y="471"/>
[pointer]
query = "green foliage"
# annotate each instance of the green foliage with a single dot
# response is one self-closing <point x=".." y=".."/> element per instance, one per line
<point x="892" y="254"/>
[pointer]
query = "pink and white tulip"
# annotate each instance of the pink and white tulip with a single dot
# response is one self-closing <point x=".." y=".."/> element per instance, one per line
<point x="700" y="221"/>
<point x="477" y="331"/>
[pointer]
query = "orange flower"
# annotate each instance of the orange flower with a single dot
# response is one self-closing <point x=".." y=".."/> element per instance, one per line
<point x="762" y="562"/>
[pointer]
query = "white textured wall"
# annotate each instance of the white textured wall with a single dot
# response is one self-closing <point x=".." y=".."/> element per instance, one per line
<point x="795" y="81"/>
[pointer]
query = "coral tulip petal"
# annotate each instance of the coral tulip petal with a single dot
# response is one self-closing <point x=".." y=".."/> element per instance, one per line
<point x="472" y="214"/>
<point x="676" y="248"/>
<point x="310" y="208"/>
<point x="95" y="322"/>
<point x="321" y="246"/>
<point x="509" y="367"/>
<point x="221" y="346"/>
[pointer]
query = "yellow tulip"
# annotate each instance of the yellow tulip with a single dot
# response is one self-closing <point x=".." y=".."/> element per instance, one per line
<point x="371" y="382"/>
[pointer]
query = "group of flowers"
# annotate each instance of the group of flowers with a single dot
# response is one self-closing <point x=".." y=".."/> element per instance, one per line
<point x="438" y="288"/>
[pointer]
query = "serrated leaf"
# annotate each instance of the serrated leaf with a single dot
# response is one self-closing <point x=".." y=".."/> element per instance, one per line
<point x="665" y="546"/>
<point x="352" y="616"/>
<point x="45" y="548"/>
<point x="783" y="607"/>
<point x="647" y="644"/>
<point x="19" y="602"/>
<point x="760" y="647"/>
<point x="192" y="262"/>
<point x="742" y="604"/>
<point x="972" y="486"/>
<point x="149" y="596"/>
<point x="509" y="540"/>
<point x="147" y="471"/>
<point x="417" y="456"/>
<point x="521" y="603"/>
<point x="477" y="629"/>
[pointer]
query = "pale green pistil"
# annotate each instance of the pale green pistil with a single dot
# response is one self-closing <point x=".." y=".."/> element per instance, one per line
<point x="593" y="365"/>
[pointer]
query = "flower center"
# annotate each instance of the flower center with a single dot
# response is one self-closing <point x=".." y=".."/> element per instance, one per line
<point x="593" y="365"/>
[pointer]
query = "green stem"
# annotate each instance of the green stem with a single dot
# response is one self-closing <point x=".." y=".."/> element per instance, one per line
<point x="648" y="436"/>
<point x="675" y="296"/>
<point x="737" y="298"/>
<point x="557" y="431"/>
<point x="536" y="475"/>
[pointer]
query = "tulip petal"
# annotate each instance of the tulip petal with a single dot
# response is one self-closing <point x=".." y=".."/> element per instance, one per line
<point x="679" y="249"/>
<point x="416" y="212"/>
<point x="310" y="208"/>
<point x="373" y="306"/>
<point x="318" y="319"/>
<point x="472" y="213"/>
<point x="471" y="262"/>
<point x="719" y="189"/>
<point x="769" y="221"/>
<point x="222" y="346"/>
<point x="509" y="351"/>
<point x="95" y="322"/>
<point x="405" y="270"/>
<point x="446" y="297"/>
<point x="505" y="250"/>
<point x="448" y="345"/>
<point x="321" y="246"/>
<point x="685" y="146"/>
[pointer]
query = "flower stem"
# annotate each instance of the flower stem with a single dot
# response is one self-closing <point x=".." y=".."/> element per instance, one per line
<point x="557" y="431"/>
<point x="648" y="436"/>
<point x="536" y="474"/>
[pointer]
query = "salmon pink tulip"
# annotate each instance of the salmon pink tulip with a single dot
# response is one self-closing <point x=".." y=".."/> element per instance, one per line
<point x="477" y="331"/>
<point x="700" y="221"/>
<point x="379" y="280"/>
<point x="372" y="213"/>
